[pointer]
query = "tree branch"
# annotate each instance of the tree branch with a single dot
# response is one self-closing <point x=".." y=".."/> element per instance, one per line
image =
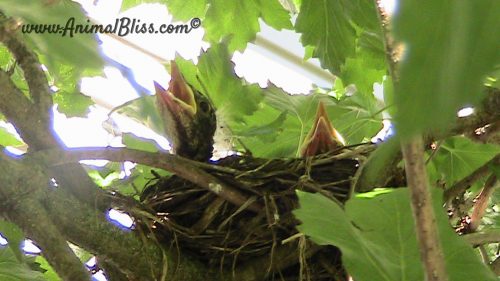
<point x="35" y="77"/>
<point x="173" y="163"/>
<point x="431" y="253"/>
<point x="482" y="202"/>
<point x="34" y="123"/>
<point x="21" y="206"/>
<point x="483" y="237"/>
<point x="495" y="266"/>
<point x="487" y="113"/>
<point x="463" y="184"/>
<point x="52" y="216"/>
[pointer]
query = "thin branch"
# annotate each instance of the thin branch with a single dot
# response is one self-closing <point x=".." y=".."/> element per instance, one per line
<point x="495" y="266"/>
<point x="483" y="237"/>
<point x="462" y="185"/>
<point x="19" y="110"/>
<point x="35" y="76"/>
<point x="487" y="113"/>
<point x="169" y="162"/>
<point x="482" y="202"/>
<point x="431" y="253"/>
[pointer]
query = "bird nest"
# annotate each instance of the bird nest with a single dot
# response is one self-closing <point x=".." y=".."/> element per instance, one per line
<point x="223" y="235"/>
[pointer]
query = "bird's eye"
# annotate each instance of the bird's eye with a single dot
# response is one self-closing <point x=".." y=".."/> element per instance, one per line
<point x="204" y="106"/>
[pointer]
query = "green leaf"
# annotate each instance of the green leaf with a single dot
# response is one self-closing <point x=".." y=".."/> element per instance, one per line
<point x="267" y="131"/>
<point x="104" y="181"/>
<point x="79" y="49"/>
<point x="353" y="121"/>
<point x="134" y="184"/>
<point x="274" y="14"/>
<point x="457" y="157"/>
<point x="236" y="20"/>
<point x="66" y="78"/>
<point x="127" y="4"/>
<point x="215" y="77"/>
<point x="72" y="103"/>
<point x="187" y="9"/>
<point x="5" y="56"/>
<point x="377" y="237"/>
<point x="144" y="111"/>
<point x="11" y="269"/>
<point x="357" y="117"/>
<point x="287" y="134"/>
<point x="363" y="70"/>
<point x="142" y="175"/>
<point x="325" y="25"/>
<point x="14" y="236"/>
<point x="134" y="142"/>
<point x="450" y="48"/>
<point x="7" y="139"/>
<point x="377" y="170"/>
<point x="374" y="193"/>
<point x="49" y="274"/>
<point x="301" y="110"/>
<point x="364" y="14"/>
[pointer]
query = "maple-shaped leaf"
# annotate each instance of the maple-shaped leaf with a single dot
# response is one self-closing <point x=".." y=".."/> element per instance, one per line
<point x="236" y="20"/>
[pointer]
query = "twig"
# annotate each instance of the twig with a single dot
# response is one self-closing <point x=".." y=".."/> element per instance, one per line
<point x="482" y="202"/>
<point x="431" y="253"/>
<point x="35" y="77"/>
<point x="169" y="162"/>
<point x="483" y="237"/>
<point x="495" y="266"/>
<point x="465" y="183"/>
<point x="484" y="254"/>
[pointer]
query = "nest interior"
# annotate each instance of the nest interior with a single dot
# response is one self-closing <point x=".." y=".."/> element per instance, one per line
<point x="223" y="235"/>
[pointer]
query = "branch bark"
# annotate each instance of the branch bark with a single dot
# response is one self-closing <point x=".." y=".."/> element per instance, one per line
<point x="482" y="202"/>
<point x="21" y="205"/>
<point x="495" y="266"/>
<point x="483" y="237"/>
<point x="431" y="253"/>
<point x="173" y="163"/>
<point x="33" y="121"/>
<point x="53" y="216"/>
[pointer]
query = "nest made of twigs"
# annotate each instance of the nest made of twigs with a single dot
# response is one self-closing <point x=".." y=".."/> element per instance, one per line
<point x="227" y="236"/>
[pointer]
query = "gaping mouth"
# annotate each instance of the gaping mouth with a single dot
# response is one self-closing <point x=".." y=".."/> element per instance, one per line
<point x="179" y="96"/>
<point x="323" y="137"/>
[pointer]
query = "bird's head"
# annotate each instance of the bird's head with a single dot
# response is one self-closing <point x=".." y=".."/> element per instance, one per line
<point x="322" y="137"/>
<point x="188" y="117"/>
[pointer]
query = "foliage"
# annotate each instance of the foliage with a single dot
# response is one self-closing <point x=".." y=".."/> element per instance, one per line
<point x="449" y="52"/>
<point x="236" y="20"/>
<point x="377" y="237"/>
<point x="443" y="72"/>
<point x="14" y="266"/>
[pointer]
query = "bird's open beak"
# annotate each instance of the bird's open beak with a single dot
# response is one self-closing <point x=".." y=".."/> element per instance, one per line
<point x="322" y="137"/>
<point x="179" y="97"/>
